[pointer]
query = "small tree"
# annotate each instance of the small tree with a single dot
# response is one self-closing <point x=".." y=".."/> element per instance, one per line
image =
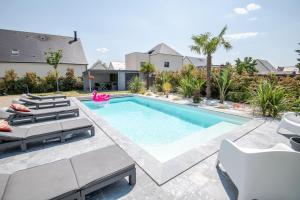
<point x="298" y="59"/>
<point x="148" y="69"/>
<point x="248" y="65"/>
<point x="53" y="58"/>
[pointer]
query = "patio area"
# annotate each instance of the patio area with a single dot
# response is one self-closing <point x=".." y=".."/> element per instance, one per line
<point x="202" y="181"/>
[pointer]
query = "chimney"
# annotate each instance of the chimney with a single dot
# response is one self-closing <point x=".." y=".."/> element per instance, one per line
<point x="75" y="38"/>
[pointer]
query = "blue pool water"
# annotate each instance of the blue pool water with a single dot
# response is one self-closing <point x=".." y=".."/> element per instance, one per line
<point x="154" y="124"/>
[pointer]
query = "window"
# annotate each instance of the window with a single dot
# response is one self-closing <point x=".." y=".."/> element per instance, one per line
<point x="142" y="64"/>
<point x="15" y="52"/>
<point x="167" y="64"/>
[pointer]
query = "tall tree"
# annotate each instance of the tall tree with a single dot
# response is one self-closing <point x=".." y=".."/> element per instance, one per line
<point x="207" y="45"/>
<point x="53" y="58"/>
<point x="148" y="69"/>
<point x="298" y="59"/>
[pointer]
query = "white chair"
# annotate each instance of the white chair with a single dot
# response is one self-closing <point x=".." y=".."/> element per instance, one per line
<point x="291" y="122"/>
<point x="267" y="174"/>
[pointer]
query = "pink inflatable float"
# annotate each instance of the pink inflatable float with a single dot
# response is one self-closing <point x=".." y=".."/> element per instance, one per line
<point x="100" y="97"/>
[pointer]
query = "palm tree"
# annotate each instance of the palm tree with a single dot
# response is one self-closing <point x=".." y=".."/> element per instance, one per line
<point x="147" y="69"/>
<point x="53" y="58"/>
<point x="208" y="45"/>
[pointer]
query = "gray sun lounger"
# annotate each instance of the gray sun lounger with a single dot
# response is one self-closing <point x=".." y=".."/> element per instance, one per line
<point x="40" y="97"/>
<point x="20" y="136"/>
<point x="69" y="179"/>
<point x="34" y="115"/>
<point x="45" y="103"/>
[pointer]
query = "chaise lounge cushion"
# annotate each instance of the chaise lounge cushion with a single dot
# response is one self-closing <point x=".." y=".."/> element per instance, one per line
<point x="96" y="166"/>
<point x="56" y="179"/>
<point x="4" y="127"/>
<point x="3" y="181"/>
<point x="45" y="129"/>
<point x="75" y="124"/>
<point x="19" y="107"/>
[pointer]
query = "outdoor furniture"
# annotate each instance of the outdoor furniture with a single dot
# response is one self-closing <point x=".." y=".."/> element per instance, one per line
<point x="40" y="97"/>
<point x="291" y="122"/>
<point x="272" y="173"/>
<point x="69" y="179"/>
<point x="34" y="115"/>
<point x="20" y="136"/>
<point x="45" y="103"/>
<point x="104" y="166"/>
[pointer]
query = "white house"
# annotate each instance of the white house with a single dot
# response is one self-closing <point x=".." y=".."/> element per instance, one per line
<point x="24" y="52"/>
<point x="163" y="57"/>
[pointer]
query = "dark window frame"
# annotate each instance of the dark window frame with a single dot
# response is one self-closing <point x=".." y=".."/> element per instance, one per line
<point x="167" y="64"/>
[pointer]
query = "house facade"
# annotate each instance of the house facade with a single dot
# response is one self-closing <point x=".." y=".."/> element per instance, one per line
<point x="25" y="52"/>
<point x="162" y="56"/>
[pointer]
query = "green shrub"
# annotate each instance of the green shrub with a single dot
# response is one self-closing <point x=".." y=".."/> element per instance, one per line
<point x="223" y="81"/>
<point x="69" y="81"/>
<point x="186" y="86"/>
<point x="136" y="85"/>
<point x="10" y="80"/>
<point x="51" y="81"/>
<point x="269" y="99"/>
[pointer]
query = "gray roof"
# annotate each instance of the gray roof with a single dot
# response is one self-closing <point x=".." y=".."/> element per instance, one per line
<point x="30" y="47"/>
<point x="197" y="62"/>
<point x="264" y="67"/>
<point x="163" y="49"/>
<point x="99" y="65"/>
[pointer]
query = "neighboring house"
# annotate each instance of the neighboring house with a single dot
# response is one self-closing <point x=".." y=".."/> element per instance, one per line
<point x="24" y="52"/>
<point x="264" y="67"/>
<point x="290" y="69"/>
<point x="113" y="77"/>
<point x="117" y="65"/>
<point x="162" y="56"/>
<point x="197" y="62"/>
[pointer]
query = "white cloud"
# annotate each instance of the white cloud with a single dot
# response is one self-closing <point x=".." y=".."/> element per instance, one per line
<point x="239" y="36"/>
<point x="102" y="50"/>
<point x="253" y="19"/>
<point x="250" y="7"/>
<point x="240" y="11"/>
<point x="253" y="6"/>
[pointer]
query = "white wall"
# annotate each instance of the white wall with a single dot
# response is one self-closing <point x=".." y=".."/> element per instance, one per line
<point x="133" y="60"/>
<point x="41" y="69"/>
<point x="158" y="60"/>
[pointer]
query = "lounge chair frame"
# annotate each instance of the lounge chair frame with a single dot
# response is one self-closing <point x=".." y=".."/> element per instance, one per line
<point x="131" y="173"/>
<point x="46" y="97"/>
<point x="39" y="104"/>
<point x="19" y="116"/>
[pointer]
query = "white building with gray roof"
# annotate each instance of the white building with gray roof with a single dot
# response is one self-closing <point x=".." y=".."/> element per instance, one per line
<point x="24" y="52"/>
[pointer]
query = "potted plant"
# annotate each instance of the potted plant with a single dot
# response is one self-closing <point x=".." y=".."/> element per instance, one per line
<point x="167" y="87"/>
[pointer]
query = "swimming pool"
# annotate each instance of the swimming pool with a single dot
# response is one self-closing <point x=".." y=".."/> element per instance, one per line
<point x="165" y="130"/>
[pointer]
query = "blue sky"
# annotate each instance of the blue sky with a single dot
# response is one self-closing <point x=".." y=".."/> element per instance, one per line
<point x="109" y="29"/>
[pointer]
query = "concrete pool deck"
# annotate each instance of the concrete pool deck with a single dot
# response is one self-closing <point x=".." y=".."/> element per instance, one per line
<point x="202" y="181"/>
